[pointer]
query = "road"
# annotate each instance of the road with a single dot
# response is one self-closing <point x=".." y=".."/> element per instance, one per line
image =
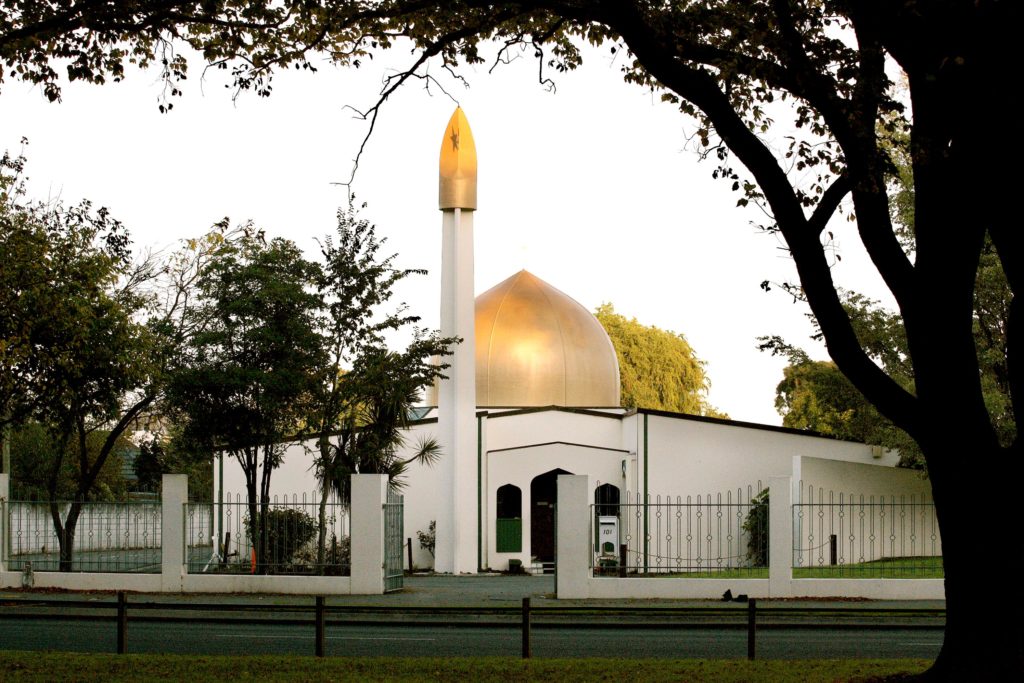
<point x="455" y="641"/>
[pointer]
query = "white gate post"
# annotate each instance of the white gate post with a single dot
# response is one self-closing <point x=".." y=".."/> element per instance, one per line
<point x="172" y="531"/>
<point x="574" y="537"/>
<point x="780" y="536"/>
<point x="369" y="495"/>
<point x="5" y="496"/>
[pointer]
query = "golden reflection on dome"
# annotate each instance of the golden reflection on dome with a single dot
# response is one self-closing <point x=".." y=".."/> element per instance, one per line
<point x="537" y="346"/>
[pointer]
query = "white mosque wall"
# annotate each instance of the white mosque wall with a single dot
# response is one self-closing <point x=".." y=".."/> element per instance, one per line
<point x="519" y="467"/>
<point x="690" y="457"/>
<point x="874" y="513"/>
<point x="294" y="476"/>
<point x="683" y="457"/>
<point x="547" y="426"/>
<point x="862" y="479"/>
<point x="422" y="496"/>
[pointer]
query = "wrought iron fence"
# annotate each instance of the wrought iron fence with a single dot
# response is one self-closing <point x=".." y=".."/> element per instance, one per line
<point x="708" y="535"/>
<point x="283" y="537"/>
<point x="394" y="542"/>
<point x="108" y="537"/>
<point x="857" y="536"/>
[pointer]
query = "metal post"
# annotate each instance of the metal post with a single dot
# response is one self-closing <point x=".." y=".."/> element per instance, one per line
<point x="623" y="557"/>
<point x="408" y="545"/>
<point x="320" y="626"/>
<point x="527" y="649"/>
<point x="832" y="550"/>
<point x="751" y="628"/>
<point x="122" y="623"/>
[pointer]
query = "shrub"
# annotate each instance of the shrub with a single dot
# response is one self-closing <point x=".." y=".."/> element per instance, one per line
<point x="428" y="538"/>
<point x="756" y="527"/>
<point x="287" y="530"/>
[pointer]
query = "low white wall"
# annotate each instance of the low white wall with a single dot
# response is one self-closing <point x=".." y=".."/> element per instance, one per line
<point x="88" y="581"/>
<point x="185" y="583"/>
<point x="674" y="589"/>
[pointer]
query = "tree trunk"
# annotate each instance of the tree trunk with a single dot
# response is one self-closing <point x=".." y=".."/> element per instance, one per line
<point x="253" y="520"/>
<point x="321" y="540"/>
<point x="263" y="549"/>
<point x="66" y="537"/>
<point x="981" y="558"/>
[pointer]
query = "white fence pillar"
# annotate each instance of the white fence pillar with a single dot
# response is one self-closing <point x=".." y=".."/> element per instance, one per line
<point x="780" y="536"/>
<point x="369" y="495"/>
<point x="172" y="531"/>
<point x="5" y="541"/>
<point x="572" y="568"/>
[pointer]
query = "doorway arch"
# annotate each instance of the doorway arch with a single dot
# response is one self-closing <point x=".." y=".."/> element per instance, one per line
<point x="543" y="496"/>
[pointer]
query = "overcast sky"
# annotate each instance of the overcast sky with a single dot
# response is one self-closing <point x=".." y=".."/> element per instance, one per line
<point x="594" y="188"/>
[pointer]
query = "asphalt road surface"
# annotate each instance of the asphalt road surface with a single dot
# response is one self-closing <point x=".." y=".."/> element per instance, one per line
<point x="456" y="641"/>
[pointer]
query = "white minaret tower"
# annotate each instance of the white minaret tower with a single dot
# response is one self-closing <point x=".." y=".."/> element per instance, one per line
<point x="457" y="542"/>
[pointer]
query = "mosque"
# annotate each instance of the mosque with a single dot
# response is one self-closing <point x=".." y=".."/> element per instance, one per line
<point x="533" y="392"/>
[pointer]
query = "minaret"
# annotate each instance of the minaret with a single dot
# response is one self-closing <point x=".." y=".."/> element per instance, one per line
<point x="456" y="545"/>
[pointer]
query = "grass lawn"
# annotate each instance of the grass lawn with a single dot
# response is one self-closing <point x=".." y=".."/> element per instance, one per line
<point x="35" y="666"/>
<point x="889" y="568"/>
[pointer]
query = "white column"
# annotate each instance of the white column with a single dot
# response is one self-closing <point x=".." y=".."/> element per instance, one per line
<point x="456" y="545"/>
<point x="780" y="536"/>
<point x="172" y="531"/>
<point x="5" y="496"/>
<point x="574" y="533"/>
<point x="369" y="494"/>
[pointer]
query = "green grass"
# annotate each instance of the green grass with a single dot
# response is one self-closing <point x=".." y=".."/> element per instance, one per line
<point x="889" y="568"/>
<point x="35" y="666"/>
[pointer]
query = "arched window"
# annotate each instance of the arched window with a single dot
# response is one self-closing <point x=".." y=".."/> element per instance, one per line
<point x="508" y="532"/>
<point x="606" y="498"/>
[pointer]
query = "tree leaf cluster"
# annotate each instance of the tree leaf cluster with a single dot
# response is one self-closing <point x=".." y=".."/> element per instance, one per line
<point x="658" y="369"/>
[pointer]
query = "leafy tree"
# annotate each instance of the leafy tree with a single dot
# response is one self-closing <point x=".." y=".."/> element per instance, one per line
<point x="74" y="355"/>
<point x="815" y="395"/>
<point x="367" y="392"/>
<point x="171" y="454"/>
<point x="34" y="450"/>
<point x="248" y="379"/>
<point x="727" y="63"/>
<point x="657" y="368"/>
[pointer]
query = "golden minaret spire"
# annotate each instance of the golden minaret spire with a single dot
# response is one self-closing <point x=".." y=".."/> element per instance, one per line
<point x="457" y="550"/>
<point x="457" y="189"/>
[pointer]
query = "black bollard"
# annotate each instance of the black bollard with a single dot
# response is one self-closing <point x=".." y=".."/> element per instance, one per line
<point x="320" y="626"/>
<point x="527" y="649"/>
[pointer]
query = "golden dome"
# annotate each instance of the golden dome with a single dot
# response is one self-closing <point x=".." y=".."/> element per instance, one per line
<point x="537" y="346"/>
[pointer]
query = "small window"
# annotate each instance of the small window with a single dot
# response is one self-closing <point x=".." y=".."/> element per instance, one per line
<point x="508" y="531"/>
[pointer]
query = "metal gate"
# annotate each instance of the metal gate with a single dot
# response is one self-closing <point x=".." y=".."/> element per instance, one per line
<point x="394" y="536"/>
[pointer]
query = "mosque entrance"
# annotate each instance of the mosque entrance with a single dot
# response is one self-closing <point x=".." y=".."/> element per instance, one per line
<point x="543" y="496"/>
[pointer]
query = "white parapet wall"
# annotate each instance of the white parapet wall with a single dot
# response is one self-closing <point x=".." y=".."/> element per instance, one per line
<point x="575" y="578"/>
<point x="369" y="494"/>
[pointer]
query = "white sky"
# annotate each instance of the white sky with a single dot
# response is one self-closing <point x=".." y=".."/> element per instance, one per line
<point x="589" y="188"/>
